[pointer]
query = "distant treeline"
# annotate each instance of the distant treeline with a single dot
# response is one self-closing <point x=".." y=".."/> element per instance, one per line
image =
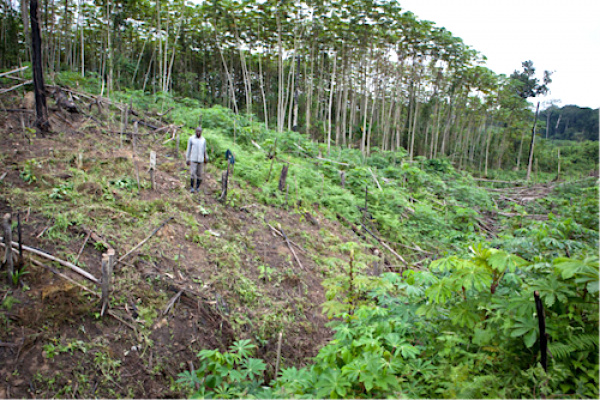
<point x="570" y="123"/>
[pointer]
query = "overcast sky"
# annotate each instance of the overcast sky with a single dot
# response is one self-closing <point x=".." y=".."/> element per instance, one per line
<point x="557" y="35"/>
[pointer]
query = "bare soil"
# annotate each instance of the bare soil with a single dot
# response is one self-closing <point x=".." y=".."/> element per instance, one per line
<point x="53" y="343"/>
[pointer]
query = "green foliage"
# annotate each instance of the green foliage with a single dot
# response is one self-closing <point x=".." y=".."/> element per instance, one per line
<point x="232" y="374"/>
<point x="28" y="174"/>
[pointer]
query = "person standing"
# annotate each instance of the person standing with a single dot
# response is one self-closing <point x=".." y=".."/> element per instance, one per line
<point x="195" y="157"/>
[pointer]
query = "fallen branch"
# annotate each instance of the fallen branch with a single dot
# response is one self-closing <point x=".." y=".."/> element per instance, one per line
<point x="538" y="217"/>
<point x="14" y="71"/>
<point x="281" y="234"/>
<point x="166" y="112"/>
<point x="96" y="238"/>
<point x="56" y="272"/>
<point x="375" y="179"/>
<point x="15" y="87"/>
<point x="385" y="245"/>
<point x="79" y="285"/>
<point x="172" y="302"/>
<point x="351" y="225"/>
<point x="331" y="161"/>
<point x="67" y="264"/>
<point x="287" y="241"/>
<point x="87" y="237"/>
<point x="145" y="240"/>
<point x="416" y="248"/>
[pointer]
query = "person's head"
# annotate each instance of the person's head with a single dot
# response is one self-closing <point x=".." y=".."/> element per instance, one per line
<point x="198" y="131"/>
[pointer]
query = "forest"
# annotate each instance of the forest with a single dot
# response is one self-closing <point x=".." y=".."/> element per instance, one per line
<point x="382" y="215"/>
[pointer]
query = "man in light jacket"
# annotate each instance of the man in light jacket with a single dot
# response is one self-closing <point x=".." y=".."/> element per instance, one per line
<point x="195" y="157"/>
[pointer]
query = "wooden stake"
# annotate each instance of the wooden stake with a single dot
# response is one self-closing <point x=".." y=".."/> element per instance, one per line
<point x="105" y="283"/>
<point x="8" y="259"/>
<point x="542" y="325"/>
<point x="366" y="204"/>
<point x="279" y="341"/>
<point x="20" y="263"/>
<point x="558" y="172"/>
<point x="152" y="168"/>
<point x="133" y="141"/>
<point x="177" y="150"/>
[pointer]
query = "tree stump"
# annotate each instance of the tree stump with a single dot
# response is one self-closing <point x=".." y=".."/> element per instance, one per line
<point x="108" y="259"/>
<point x="283" y="177"/>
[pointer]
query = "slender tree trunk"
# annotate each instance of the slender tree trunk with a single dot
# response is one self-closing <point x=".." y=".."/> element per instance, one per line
<point x="41" y="108"/>
<point x="81" y="20"/>
<point x="229" y="78"/>
<point x="262" y="91"/>
<point x="331" y="103"/>
<point x="308" y="84"/>
<point x="368" y="150"/>
<point x="344" y="104"/>
<point x="280" y="82"/>
<point x="352" y="121"/>
<point x="530" y="161"/>
<point x="109" y="46"/>
<point x="489" y="132"/>
<point x="414" y="124"/>
<point x="24" y="13"/>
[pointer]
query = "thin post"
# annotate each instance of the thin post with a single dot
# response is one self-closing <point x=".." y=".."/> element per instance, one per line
<point x="279" y="341"/>
<point x="558" y="171"/>
<point x="542" y="325"/>
<point x="123" y="113"/>
<point x="20" y="240"/>
<point x="134" y="141"/>
<point x="366" y="205"/>
<point x="177" y="151"/>
<point x="105" y="282"/>
<point x="152" y="168"/>
<point x="8" y="259"/>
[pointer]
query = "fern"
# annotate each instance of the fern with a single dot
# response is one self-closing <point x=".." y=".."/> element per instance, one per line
<point x="585" y="342"/>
